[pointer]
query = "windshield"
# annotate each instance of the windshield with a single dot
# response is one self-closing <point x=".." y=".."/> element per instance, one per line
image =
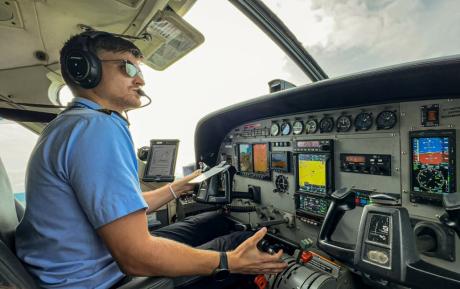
<point x="354" y="35"/>
<point x="235" y="63"/>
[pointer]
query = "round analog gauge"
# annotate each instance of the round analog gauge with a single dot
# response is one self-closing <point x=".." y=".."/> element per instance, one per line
<point x="311" y="126"/>
<point x="297" y="127"/>
<point x="386" y="120"/>
<point x="363" y="121"/>
<point x="431" y="180"/>
<point x="281" y="184"/>
<point x="285" y="128"/>
<point x="275" y="129"/>
<point x="326" y="124"/>
<point x="343" y="123"/>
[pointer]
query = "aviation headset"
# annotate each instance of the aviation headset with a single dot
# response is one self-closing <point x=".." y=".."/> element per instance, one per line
<point x="81" y="63"/>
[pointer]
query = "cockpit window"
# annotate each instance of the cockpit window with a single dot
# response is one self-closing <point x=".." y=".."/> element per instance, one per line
<point x="16" y="144"/>
<point x="235" y="63"/>
<point x="351" y="36"/>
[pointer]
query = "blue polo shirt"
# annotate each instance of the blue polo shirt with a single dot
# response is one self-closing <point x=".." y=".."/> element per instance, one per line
<point x="82" y="175"/>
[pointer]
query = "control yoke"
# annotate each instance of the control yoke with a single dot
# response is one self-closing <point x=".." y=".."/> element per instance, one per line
<point x="451" y="218"/>
<point x="216" y="185"/>
<point x="386" y="246"/>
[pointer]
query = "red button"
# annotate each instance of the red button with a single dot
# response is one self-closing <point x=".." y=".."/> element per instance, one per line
<point x="306" y="256"/>
<point x="261" y="281"/>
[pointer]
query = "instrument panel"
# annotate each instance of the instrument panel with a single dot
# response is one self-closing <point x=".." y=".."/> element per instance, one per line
<point x="404" y="150"/>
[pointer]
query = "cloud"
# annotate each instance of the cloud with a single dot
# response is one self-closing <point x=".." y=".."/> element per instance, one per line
<point x="367" y="34"/>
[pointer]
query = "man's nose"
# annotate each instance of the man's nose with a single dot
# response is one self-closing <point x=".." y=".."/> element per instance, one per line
<point x="138" y="80"/>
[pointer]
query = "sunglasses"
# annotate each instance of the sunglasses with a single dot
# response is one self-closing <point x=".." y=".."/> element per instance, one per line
<point x="128" y="67"/>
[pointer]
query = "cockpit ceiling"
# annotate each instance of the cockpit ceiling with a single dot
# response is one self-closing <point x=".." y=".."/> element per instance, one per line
<point x="44" y="25"/>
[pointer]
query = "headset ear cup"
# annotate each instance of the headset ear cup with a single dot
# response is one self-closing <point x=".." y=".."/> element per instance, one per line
<point x="84" y="68"/>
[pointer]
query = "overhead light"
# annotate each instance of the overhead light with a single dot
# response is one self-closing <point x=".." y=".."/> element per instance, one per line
<point x="171" y="37"/>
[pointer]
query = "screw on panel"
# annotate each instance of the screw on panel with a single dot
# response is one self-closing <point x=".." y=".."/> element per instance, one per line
<point x="396" y="169"/>
<point x="403" y="113"/>
<point x="405" y="191"/>
<point x="403" y="152"/>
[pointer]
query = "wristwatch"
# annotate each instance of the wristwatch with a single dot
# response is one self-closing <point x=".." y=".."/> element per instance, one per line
<point x="221" y="272"/>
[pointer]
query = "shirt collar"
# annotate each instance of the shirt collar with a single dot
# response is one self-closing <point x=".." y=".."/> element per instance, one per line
<point x="81" y="101"/>
<point x="84" y="102"/>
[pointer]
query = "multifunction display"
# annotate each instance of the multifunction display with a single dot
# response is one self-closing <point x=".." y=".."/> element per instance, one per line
<point x="433" y="164"/>
<point x="312" y="173"/>
<point x="253" y="160"/>
<point x="279" y="161"/>
<point x="314" y="165"/>
<point x="261" y="158"/>
<point x="245" y="158"/>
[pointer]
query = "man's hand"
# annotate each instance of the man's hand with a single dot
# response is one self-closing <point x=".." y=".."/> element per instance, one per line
<point x="247" y="259"/>
<point x="183" y="185"/>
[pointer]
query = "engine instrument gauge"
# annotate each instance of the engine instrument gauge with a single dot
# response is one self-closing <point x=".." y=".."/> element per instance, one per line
<point x="297" y="127"/>
<point x="326" y="124"/>
<point x="286" y="128"/>
<point x="275" y="129"/>
<point x="343" y="123"/>
<point x="386" y="120"/>
<point x="363" y="121"/>
<point x="311" y="126"/>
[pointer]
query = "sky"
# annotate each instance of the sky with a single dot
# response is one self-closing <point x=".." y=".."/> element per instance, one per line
<point x="237" y="60"/>
<point x="357" y="35"/>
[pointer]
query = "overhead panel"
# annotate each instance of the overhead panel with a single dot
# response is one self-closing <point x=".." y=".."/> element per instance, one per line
<point x="10" y="15"/>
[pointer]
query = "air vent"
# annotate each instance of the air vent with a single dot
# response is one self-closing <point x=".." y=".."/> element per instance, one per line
<point x="130" y="3"/>
<point x="9" y="14"/>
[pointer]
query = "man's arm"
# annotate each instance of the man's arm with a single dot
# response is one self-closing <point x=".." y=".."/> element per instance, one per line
<point x="140" y="254"/>
<point x="157" y="198"/>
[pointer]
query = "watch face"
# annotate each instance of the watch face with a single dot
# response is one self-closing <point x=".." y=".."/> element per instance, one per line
<point x="221" y="274"/>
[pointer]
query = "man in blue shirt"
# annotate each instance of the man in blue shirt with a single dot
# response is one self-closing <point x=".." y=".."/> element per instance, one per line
<point x="85" y="225"/>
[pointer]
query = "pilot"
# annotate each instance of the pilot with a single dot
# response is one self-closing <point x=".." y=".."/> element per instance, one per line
<point x="85" y="225"/>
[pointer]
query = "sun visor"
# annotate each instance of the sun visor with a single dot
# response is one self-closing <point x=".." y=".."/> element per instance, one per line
<point x="170" y="38"/>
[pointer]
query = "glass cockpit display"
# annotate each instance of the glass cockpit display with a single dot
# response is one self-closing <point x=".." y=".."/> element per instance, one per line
<point x="433" y="164"/>
<point x="279" y="161"/>
<point x="261" y="158"/>
<point x="245" y="158"/>
<point x="312" y="173"/>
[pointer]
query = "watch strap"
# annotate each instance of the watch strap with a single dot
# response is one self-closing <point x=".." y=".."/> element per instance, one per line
<point x="223" y="264"/>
